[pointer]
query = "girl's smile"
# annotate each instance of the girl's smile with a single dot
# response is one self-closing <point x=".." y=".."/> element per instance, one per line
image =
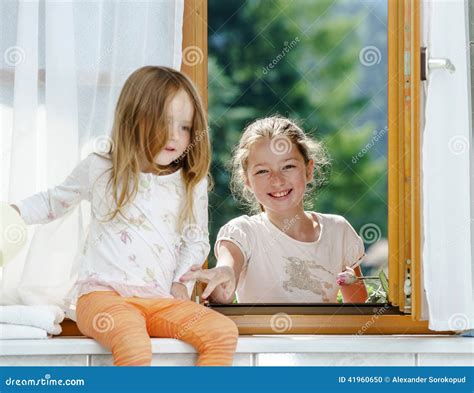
<point x="281" y="195"/>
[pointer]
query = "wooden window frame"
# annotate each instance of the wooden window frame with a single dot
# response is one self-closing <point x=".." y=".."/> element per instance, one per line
<point x="404" y="200"/>
<point x="404" y="188"/>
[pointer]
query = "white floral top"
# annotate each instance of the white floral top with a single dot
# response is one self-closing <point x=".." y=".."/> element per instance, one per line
<point x="140" y="254"/>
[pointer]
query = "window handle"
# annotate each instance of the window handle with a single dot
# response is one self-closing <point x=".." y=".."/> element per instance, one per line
<point x="440" y="63"/>
<point x="434" y="63"/>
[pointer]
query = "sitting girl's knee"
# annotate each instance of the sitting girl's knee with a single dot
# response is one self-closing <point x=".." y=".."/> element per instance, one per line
<point x="225" y="327"/>
<point x="232" y="328"/>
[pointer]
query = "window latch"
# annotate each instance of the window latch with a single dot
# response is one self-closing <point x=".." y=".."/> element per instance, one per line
<point x="434" y="63"/>
<point x="407" y="286"/>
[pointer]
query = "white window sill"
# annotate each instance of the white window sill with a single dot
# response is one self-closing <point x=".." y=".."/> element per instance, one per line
<point x="406" y="344"/>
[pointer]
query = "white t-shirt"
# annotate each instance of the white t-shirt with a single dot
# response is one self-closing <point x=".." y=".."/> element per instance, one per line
<point x="140" y="255"/>
<point x="280" y="269"/>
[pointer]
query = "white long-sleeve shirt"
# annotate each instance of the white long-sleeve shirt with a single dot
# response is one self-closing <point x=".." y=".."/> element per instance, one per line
<point x="140" y="254"/>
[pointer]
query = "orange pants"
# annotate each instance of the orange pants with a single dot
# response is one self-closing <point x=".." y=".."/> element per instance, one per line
<point x="125" y="324"/>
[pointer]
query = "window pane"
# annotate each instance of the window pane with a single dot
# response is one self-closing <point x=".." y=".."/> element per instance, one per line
<point x="323" y="64"/>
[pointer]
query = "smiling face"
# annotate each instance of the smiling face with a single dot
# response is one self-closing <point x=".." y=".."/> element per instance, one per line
<point x="180" y="121"/>
<point x="277" y="179"/>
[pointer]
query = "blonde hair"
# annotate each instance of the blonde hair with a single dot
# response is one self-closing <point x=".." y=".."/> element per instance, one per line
<point x="287" y="130"/>
<point x="142" y="111"/>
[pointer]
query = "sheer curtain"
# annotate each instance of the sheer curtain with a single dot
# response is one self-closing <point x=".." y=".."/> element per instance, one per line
<point x="62" y="68"/>
<point x="447" y="152"/>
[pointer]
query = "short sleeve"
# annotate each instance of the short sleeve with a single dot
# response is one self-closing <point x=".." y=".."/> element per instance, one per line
<point x="354" y="251"/>
<point x="238" y="232"/>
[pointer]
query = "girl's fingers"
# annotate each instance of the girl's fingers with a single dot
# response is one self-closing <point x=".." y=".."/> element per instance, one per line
<point x="199" y="275"/>
<point x="346" y="277"/>
<point x="209" y="289"/>
<point x="213" y="283"/>
<point x="191" y="276"/>
<point x="213" y="277"/>
<point x="211" y="286"/>
<point x="193" y="268"/>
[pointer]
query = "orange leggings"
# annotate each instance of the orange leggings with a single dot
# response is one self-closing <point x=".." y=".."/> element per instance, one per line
<point x="125" y="324"/>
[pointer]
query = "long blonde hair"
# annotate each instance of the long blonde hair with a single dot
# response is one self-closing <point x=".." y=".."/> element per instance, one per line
<point x="140" y="131"/>
<point x="275" y="127"/>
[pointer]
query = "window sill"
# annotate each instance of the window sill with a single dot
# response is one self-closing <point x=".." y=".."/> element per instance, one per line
<point x="256" y="344"/>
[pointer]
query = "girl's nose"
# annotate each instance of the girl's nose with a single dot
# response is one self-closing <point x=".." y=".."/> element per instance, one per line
<point x="277" y="178"/>
<point x="174" y="134"/>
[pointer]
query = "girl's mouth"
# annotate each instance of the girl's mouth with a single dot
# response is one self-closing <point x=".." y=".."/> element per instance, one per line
<point x="281" y="194"/>
<point x="170" y="149"/>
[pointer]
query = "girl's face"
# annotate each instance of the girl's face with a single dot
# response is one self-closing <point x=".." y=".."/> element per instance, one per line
<point x="277" y="178"/>
<point x="180" y="117"/>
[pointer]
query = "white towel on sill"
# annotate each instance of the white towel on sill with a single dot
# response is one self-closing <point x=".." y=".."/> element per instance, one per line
<point x="10" y="331"/>
<point x="46" y="317"/>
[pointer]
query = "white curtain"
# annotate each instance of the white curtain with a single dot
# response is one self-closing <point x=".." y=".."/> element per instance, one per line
<point x="63" y="65"/>
<point x="447" y="172"/>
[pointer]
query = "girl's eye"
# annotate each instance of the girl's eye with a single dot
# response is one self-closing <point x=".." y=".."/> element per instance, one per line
<point x="289" y="166"/>
<point x="261" y="171"/>
<point x="186" y="128"/>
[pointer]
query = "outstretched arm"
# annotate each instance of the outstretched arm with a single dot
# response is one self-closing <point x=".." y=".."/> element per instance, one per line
<point x="49" y="205"/>
<point x="223" y="279"/>
<point x="230" y="257"/>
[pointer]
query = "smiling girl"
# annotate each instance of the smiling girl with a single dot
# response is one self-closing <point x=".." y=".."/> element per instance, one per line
<point x="282" y="253"/>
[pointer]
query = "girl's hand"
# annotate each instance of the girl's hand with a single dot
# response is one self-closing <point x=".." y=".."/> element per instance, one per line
<point x="347" y="277"/>
<point x="222" y="276"/>
<point x="179" y="291"/>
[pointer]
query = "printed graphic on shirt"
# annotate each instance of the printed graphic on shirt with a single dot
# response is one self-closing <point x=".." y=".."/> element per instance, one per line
<point x="139" y="222"/>
<point x="145" y="188"/>
<point x="302" y="277"/>
<point x="172" y="189"/>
